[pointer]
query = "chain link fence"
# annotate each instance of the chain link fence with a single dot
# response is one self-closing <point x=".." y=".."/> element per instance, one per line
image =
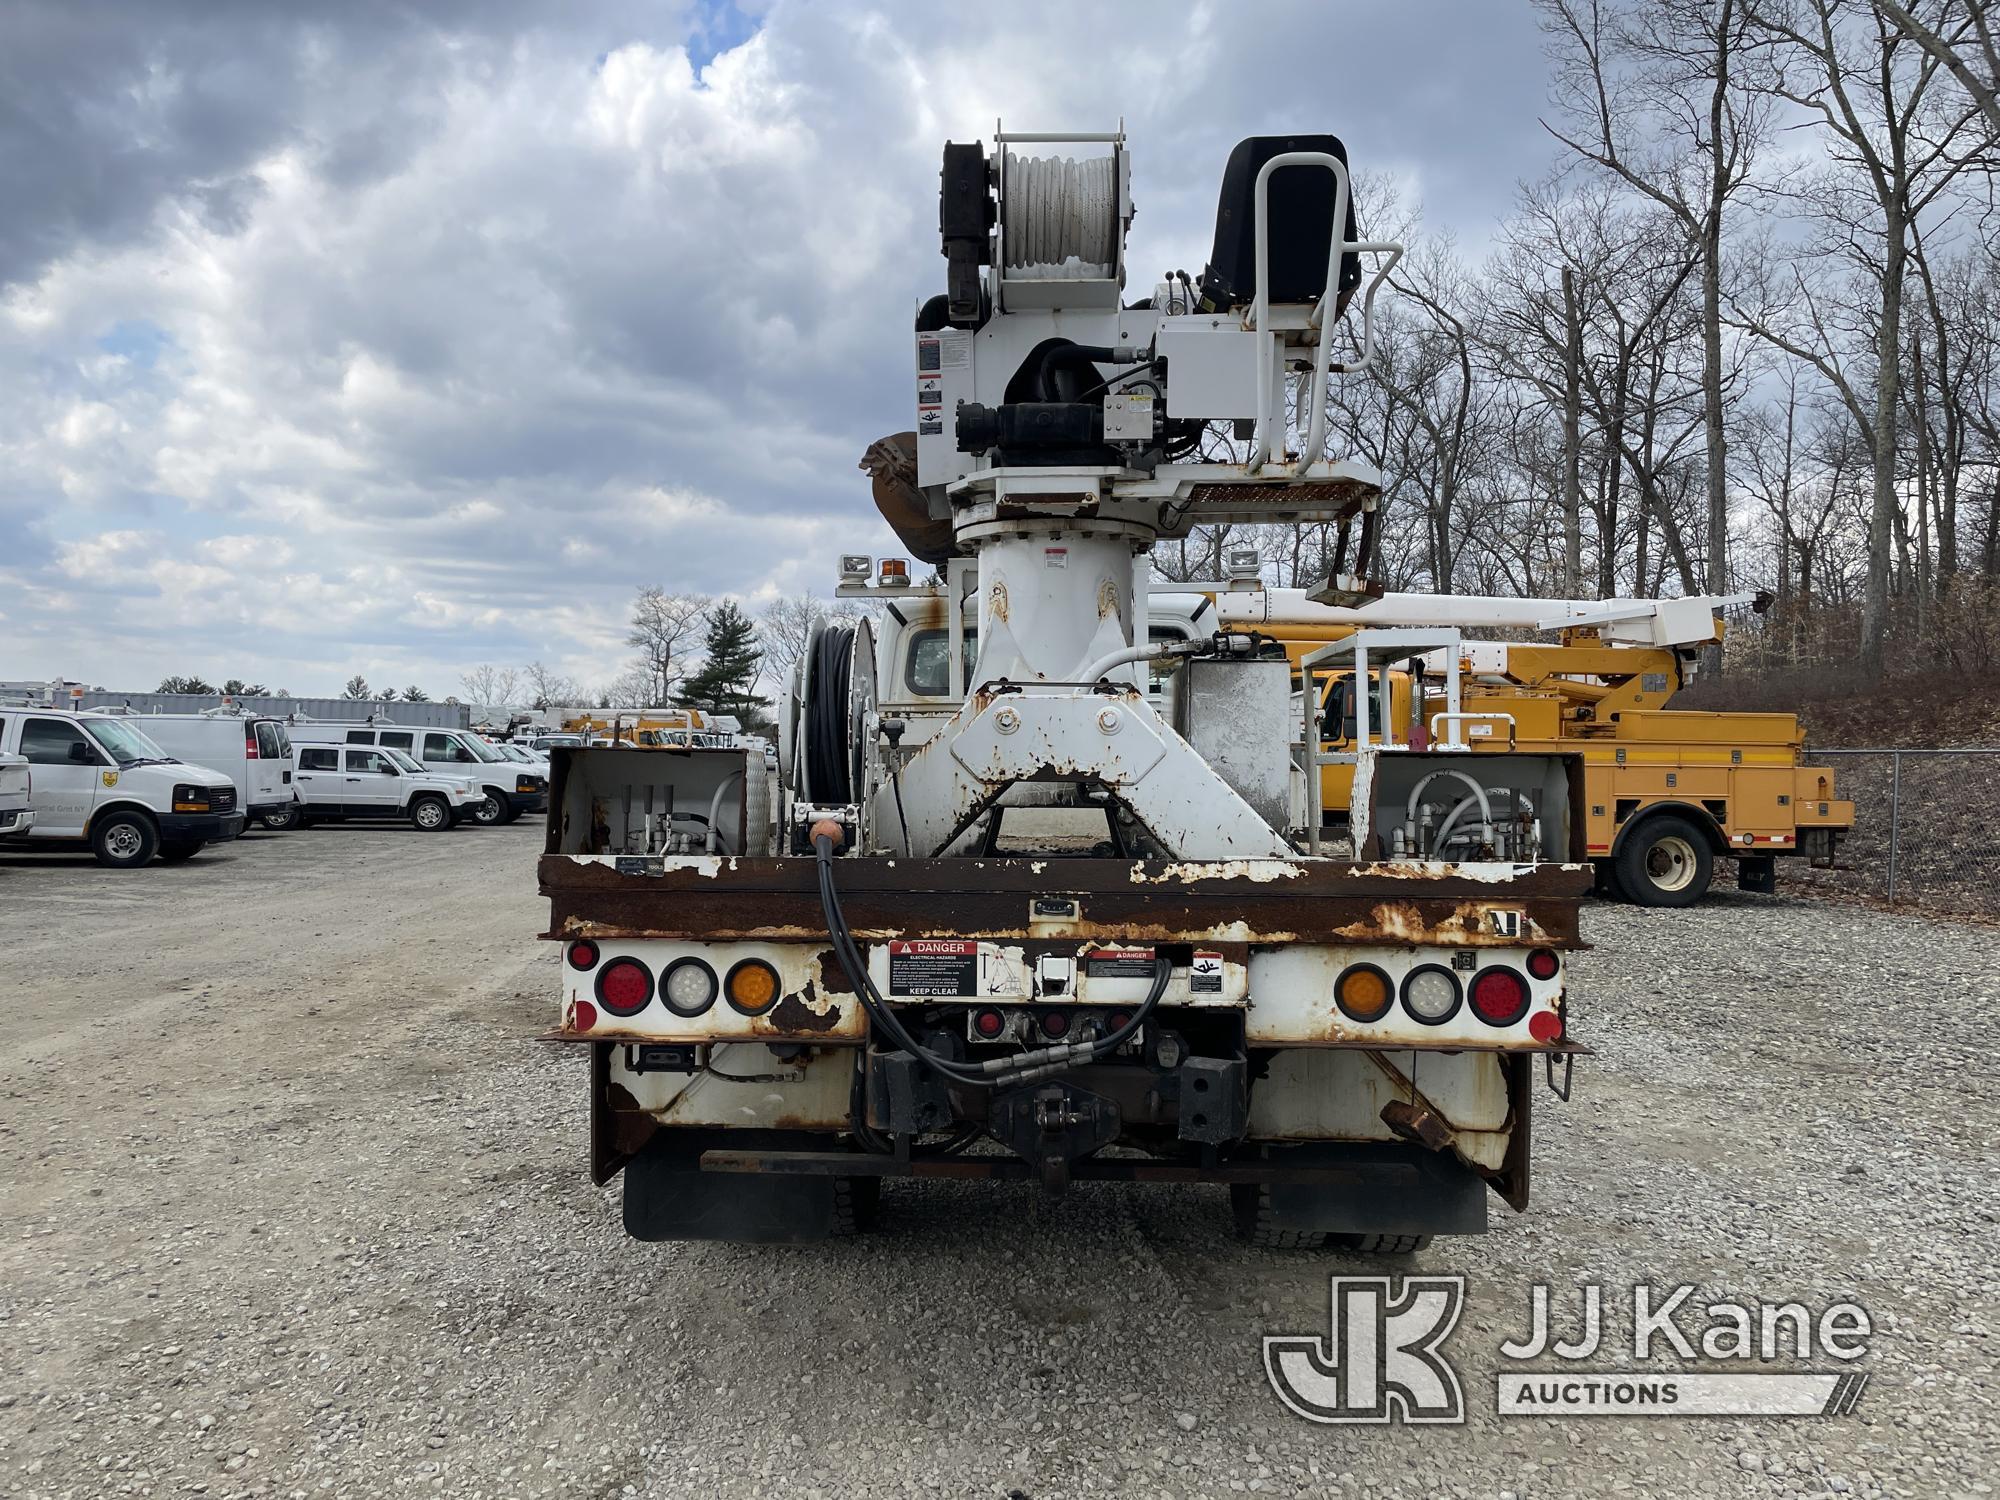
<point x="1926" y="830"/>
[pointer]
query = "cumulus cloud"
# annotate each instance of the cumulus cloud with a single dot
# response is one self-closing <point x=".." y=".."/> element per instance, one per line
<point x="364" y="337"/>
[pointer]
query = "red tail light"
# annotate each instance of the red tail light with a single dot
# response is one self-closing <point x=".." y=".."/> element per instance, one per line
<point x="249" y="741"/>
<point x="1543" y="963"/>
<point x="624" y="986"/>
<point x="1055" y="1024"/>
<point x="1499" y="997"/>
<point x="989" y="1023"/>
<point x="1545" y="1026"/>
<point x="583" y="954"/>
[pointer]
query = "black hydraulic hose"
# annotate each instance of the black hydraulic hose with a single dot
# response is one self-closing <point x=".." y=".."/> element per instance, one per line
<point x="827" y="772"/>
<point x="1043" y="1062"/>
<point x="864" y="985"/>
<point x="1058" y="355"/>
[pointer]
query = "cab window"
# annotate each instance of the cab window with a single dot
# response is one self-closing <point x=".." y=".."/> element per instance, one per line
<point x="47" y="742"/>
<point x="1338" y="722"/>
<point x="326" y="759"/>
<point x="401" y="740"/>
<point x="373" y="761"/>
<point x="927" y="667"/>
<point x="445" y="747"/>
<point x="360" y="736"/>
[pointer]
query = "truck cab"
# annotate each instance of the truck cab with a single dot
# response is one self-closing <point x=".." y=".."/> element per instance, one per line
<point x="101" y="783"/>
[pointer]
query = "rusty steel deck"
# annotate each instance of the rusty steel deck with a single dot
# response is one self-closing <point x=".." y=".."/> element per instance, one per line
<point x="1121" y="900"/>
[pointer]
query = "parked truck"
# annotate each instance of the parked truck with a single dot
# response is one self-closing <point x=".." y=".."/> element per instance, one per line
<point x="1668" y="792"/>
<point x="1021" y="903"/>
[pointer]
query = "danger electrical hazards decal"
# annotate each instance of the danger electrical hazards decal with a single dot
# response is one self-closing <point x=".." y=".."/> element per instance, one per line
<point x="934" y="968"/>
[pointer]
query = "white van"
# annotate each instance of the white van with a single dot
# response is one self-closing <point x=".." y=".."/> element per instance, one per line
<point x="250" y="749"/>
<point x="506" y="789"/>
<point x="99" y="780"/>
<point x="339" y="783"/>
<point x="17" y="794"/>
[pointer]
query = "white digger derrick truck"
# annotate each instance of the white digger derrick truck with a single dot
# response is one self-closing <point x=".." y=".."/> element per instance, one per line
<point x="1040" y="922"/>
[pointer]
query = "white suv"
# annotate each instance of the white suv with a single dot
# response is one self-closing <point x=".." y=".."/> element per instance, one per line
<point x="343" y="782"/>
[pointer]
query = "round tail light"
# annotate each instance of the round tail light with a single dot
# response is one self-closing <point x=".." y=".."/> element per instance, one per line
<point x="689" y="987"/>
<point x="1544" y="964"/>
<point x="752" y="987"/>
<point x="988" y="1023"/>
<point x="1545" y="1026"/>
<point x="1363" y="993"/>
<point x="1055" y="1024"/>
<point x="624" y="986"/>
<point x="583" y="954"/>
<point x="1499" y="996"/>
<point x="1431" y="994"/>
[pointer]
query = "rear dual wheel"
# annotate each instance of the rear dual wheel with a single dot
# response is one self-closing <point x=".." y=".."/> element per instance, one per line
<point x="1665" y="861"/>
<point x="1257" y="1224"/>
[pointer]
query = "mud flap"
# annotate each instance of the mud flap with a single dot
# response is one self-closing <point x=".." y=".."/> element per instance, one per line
<point x="669" y="1197"/>
<point x="1391" y="1188"/>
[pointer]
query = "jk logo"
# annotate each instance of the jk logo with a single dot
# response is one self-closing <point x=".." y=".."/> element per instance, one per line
<point x="1380" y="1360"/>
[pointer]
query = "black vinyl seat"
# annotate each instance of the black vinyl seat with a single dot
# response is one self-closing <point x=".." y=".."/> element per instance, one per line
<point x="1300" y="226"/>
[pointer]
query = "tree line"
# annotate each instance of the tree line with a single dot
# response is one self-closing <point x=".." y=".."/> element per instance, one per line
<point x="1743" y="334"/>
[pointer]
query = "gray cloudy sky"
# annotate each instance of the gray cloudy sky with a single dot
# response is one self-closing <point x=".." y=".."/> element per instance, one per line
<point x="343" y="336"/>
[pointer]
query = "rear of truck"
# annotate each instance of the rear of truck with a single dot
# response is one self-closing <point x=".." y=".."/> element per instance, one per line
<point x="1351" y="1047"/>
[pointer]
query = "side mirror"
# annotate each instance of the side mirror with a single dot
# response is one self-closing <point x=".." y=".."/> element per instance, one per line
<point x="79" y="752"/>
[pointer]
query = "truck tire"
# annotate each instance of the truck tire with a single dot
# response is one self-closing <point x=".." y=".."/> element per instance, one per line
<point x="490" y="812"/>
<point x="1382" y="1244"/>
<point x="278" y="822"/>
<point x="855" y="1200"/>
<point x="124" y="840"/>
<point x="1250" y="1202"/>
<point x="174" y="854"/>
<point x="430" y="813"/>
<point x="1665" y="861"/>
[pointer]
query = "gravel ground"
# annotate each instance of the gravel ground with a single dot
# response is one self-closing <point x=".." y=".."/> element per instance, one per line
<point x="295" y="1206"/>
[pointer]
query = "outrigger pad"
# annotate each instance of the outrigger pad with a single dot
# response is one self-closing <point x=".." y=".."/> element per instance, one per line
<point x="1396" y="1189"/>
<point x="668" y="1197"/>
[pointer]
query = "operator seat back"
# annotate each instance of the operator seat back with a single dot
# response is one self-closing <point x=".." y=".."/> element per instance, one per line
<point x="1300" y="227"/>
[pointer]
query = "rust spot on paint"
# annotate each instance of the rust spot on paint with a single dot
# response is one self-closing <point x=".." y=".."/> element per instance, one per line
<point x="793" y="1014"/>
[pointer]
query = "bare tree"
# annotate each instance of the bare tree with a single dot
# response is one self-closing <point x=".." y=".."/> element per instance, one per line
<point x="1655" y="93"/>
<point x="1897" y="146"/>
<point x="486" y="683"/>
<point x="660" y="622"/>
<point x="547" y="688"/>
<point x="1949" y="41"/>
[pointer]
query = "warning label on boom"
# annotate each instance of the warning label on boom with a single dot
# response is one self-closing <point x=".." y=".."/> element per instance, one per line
<point x="934" y="968"/>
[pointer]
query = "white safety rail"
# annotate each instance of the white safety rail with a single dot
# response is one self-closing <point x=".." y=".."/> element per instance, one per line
<point x="1384" y="646"/>
<point x="1271" y="407"/>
